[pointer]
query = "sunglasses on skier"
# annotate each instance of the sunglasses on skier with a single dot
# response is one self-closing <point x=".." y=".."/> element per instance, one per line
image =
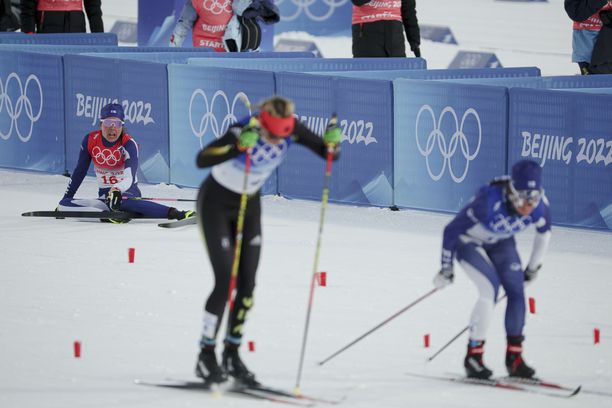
<point x="530" y="197"/>
<point x="110" y="122"/>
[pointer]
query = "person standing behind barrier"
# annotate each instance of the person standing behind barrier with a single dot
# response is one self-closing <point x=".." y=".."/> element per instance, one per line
<point x="592" y="35"/>
<point x="9" y="19"/>
<point x="481" y="238"/>
<point x="378" y="28"/>
<point x="50" y="16"/>
<point x="224" y="25"/>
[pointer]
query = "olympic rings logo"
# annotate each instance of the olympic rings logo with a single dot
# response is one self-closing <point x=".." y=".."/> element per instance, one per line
<point x="217" y="7"/>
<point x="436" y="140"/>
<point x="219" y="104"/>
<point x="105" y="156"/>
<point x="23" y="105"/>
<point x="305" y="7"/>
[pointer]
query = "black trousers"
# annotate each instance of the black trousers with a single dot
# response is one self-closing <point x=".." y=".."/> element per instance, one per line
<point x="383" y="38"/>
<point x="218" y="208"/>
<point x="60" y="22"/>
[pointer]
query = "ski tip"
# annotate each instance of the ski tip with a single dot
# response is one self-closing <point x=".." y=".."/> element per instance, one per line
<point x="576" y="391"/>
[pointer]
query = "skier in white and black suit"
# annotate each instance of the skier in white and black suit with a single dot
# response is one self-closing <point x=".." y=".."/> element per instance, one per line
<point x="268" y="135"/>
<point x="481" y="238"/>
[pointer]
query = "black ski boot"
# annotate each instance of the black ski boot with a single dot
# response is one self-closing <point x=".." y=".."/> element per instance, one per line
<point x="207" y="367"/>
<point x="514" y="359"/>
<point x="474" y="366"/>
<point x="174" y="214"/>
<point x="233" y="366"/>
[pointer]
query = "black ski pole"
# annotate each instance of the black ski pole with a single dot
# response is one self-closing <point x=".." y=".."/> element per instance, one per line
<point x="378" y="326"/>
<point x="451" y="341"/>
<point x="324" y="198"/>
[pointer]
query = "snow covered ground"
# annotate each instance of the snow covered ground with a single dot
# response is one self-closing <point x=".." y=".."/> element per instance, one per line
<point x="64" y="281"/>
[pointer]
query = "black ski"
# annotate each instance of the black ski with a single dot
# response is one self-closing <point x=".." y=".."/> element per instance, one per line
<point x="230" y="390"/>
<point x="117" y="215"/>
<point x="541" y="383"/>
<point x="536" y="387"/>
<point x="179" y="223"/>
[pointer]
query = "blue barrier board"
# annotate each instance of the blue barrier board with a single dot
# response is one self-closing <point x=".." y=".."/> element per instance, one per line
<point x="169" y="57"/>
<point x="204" y="102"/>
<point x="363" y="174"/>
<point x="31" y="112"/>
<point x="552" y="82"/>
<point x="438" y="74"/>
<point x="567" y="134"/>
<point x="60" y="39"/>
<point x="449" y="140"/>
<point x="441" y="34"/>
<point x="313" y="64"/>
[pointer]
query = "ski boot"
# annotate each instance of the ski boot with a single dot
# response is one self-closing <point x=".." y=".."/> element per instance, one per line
<point x="233" y="366"/>
<point x="174" y="214"/>
<point x="207" y="367"/>
<point x="474" y="366"/>
<point x="514" y="360"/>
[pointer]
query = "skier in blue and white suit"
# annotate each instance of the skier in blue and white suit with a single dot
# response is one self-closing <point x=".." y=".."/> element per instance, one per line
<point x="481" y="238"/>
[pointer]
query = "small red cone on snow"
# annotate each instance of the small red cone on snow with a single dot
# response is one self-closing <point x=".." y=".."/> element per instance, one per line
<point x="596" y="336"/>
<point x="532" y="307"/>
<point x="131" y="253"/>
<point x="322" y="278"/>
<point x="77" y="349"/>
<point x="426" y="340"/>
<point x="251" y="345"/>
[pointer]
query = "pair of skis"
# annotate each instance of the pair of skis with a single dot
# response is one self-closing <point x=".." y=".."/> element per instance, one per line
<point x="257" y="392"/>
<point x="532" y="385"/>
<point x="105" y="215"/>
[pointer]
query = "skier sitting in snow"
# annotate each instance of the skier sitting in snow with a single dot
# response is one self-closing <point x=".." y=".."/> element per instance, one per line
<point x="267" y="135"/>
<point x="481" y="237"/>
<point x="115" y="158"/>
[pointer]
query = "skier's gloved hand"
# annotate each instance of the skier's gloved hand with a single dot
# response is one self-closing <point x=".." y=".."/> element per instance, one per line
<point x="332" y="135"/>
<point x="113" y="199"/>
<point x="248" y="139"/>
<point x="606" y="18"/>
<point x="444" y="277"/>
<point x="531" y="274"/>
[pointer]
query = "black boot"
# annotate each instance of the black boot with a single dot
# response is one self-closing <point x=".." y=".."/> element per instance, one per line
<point x="474" y="366"/>
<point x="514" y="359"/>
<point x="174" y="214"/>
<point x="233" y="365"/>
<point x="207" y="367"/>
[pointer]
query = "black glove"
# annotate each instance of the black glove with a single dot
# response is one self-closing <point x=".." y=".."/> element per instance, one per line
<point x="417" y="52"/>
<point x="606" y="18"/>
<point x="531" y="274"/>
<point x="113" y="199"/>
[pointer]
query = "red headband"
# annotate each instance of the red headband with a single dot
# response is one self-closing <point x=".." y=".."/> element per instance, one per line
<point x="279" y="127"/>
